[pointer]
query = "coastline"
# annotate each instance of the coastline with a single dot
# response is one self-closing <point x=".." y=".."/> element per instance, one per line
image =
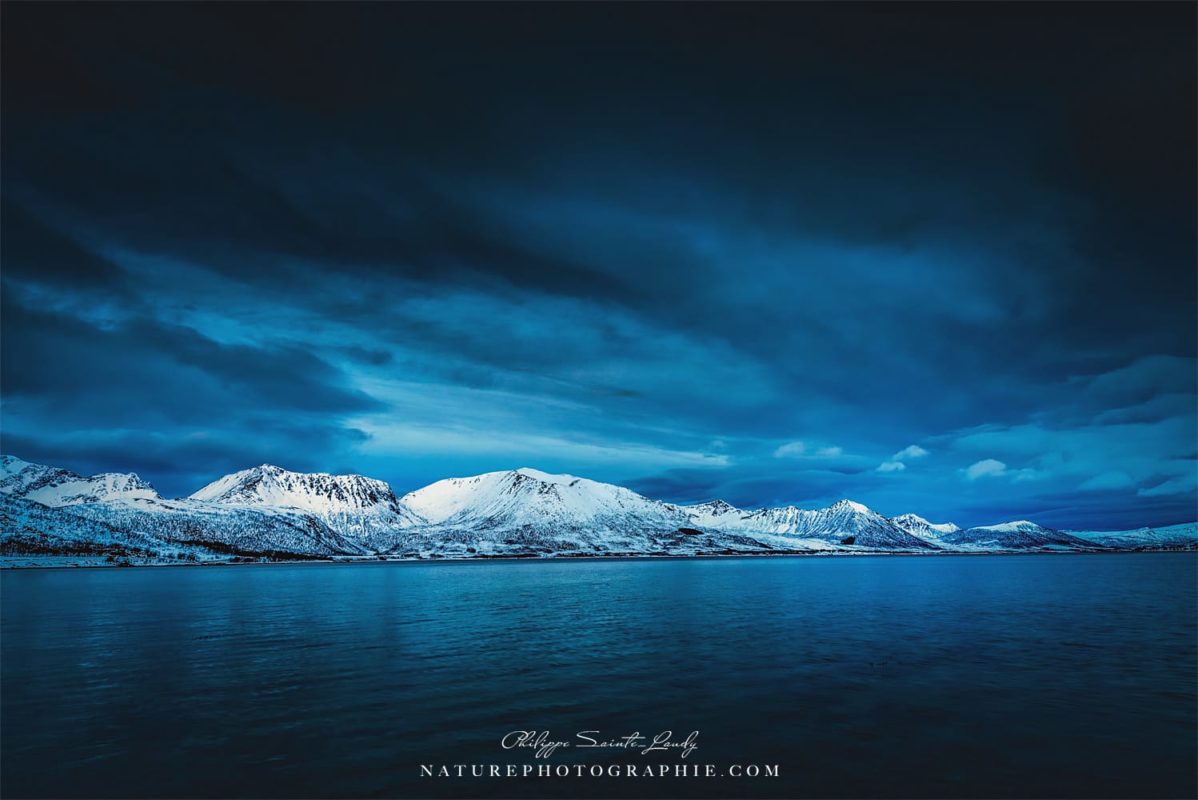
<point x="568" y="558"/>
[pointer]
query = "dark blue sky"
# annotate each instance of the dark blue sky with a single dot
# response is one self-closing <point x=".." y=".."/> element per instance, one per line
<point x="936" y="258"/>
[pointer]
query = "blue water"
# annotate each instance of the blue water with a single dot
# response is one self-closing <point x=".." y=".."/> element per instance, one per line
<point x="1020" y="676"/>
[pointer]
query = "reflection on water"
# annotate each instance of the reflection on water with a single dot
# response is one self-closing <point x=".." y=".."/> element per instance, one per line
<point x="889" y="676"/>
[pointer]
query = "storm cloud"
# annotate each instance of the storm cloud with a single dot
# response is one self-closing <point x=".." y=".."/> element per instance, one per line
<point x="770" y="252"/>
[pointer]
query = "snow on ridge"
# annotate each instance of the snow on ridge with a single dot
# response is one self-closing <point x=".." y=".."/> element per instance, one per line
<point x="714" y="513"/>
<point x="55" y="487"/>
<point x="11" y="465"/>
<point x="716" y="506"/>
<point x="723" y="507"/>
<point x="1016" y="535"/>
<point x="918" y="526"/>
<point x="1013" y="525"/>
<point x="364" y="511"/>
<point x="851" y="506"/>
<point x="537" y="474"/>
<point x="269" y="485"/>
<point x="1182" y="535"/>
<point x="529" y="497"/>
<point x="523" y="511"/>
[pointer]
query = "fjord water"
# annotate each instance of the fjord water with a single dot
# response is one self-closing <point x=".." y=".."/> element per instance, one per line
<point x="949" y="676"/>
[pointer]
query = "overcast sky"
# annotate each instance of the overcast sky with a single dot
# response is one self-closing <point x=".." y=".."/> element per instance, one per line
<point x="933" y="258"/>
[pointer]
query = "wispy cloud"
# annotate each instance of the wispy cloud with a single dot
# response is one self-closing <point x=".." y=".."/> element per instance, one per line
<point x="790" y="450"/>
<point x="800" y="449"/>
<point x="986" y="468"/>
<point x="1174" y="486"/>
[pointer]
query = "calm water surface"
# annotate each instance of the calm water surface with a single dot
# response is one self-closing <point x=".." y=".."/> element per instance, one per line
<point x="1020" y="676"/>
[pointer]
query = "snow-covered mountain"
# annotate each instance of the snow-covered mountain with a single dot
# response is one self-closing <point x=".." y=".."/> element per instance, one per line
<point x="359" y="508"/>
<point x="842" y="523"/>
<point x="918" y="526"/>
<point x="241" y="530"/>
<point x="52" y="486"/>
<point x="32" y="533"/>
<point x="270" y="512"/>
<point x="715" y="514"/>
<point x="526" y="510"/>
<point x="131" y="505"/>
<point x="315" y="492"/>
<point x="530" y="497"/>
<point x="1170" y="537"/>
<point x="1018" y="535"/>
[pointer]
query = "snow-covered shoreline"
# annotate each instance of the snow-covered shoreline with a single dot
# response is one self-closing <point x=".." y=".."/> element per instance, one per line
<point x="7" y="563"/>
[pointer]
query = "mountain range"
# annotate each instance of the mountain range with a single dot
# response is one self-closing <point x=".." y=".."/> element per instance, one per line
<point x="50" y="515"/>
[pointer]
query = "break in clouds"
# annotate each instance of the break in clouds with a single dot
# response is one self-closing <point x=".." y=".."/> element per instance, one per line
<point x="710" y="256"/>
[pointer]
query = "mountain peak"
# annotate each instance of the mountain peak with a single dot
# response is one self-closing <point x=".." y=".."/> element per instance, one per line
<point x="320" y="492"/>
<point x="715" y="513"/>
<point x="1017" y="535"/>
<point x="717" y="507"/>
<point x="1014" y="525"/>
<point x="54" y="486"/>
<point x="544" y="477"/>
<point x="11" y="465"/>
<point x="849" y="505"/>
<point x="530" y="497"/>
<point x="917" y="525"/>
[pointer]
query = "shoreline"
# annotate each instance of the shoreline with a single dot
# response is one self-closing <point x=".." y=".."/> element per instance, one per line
<point x="364" y="560"/>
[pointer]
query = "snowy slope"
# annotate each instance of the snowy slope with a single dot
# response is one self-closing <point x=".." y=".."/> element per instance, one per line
<point x="715" y="514"/>
<point x="501" y="511"/>
<point x="33" y="533"/>
<point x="1171" y="537"/>
<point x="262" y="530"/>
<point x="1017" y="535"/>
<point x="526" y="510"/>
<point x="363" y="510"/>
<point x="843" y="523"/>
<point x="529" y="511"/>
<point x="318" y="492"/>
<point x="53" y="486"/>
<point x="127" y="504"/>
<point x="918" y="526"/>
<point x="271" y="511"/>
<point x="528" y="496"/>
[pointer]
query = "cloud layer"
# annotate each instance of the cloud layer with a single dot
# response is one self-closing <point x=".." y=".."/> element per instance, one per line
<point x="775" y="254"/>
